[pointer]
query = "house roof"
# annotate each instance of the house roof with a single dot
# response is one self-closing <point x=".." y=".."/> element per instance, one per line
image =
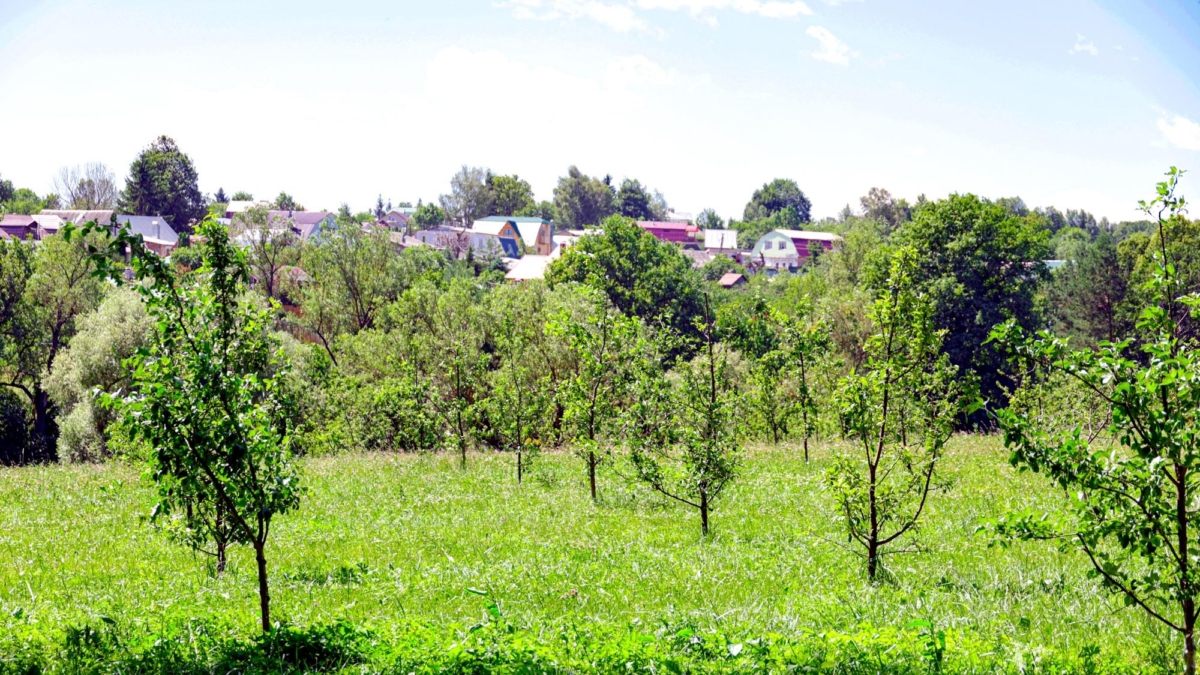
<point x="516" y="219"/>
<point x="699" y="258"/>
<point x="79" y="217"/>
<point x="304" y="222"/>
<point x="659" y="225"/>
<point x="720" y="239"/>
<point x="17" y="220"/>
<point x="529" y="230"/>
<point x="529" y="267"/>
<point x="731" y="278"/>
<point x="809" y="235"/>
<point x="153" y="229"/>
<point x="49" y="222"/>
<point x="493" y="227"/>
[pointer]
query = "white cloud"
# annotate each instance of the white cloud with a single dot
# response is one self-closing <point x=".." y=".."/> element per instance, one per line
<point x="833" y="50"/>
<point x="1181" y="132"/>
<point x="1083" y="46"/>
<point x="621" y="18"/>
<point x="772" y="9"/>
<point x="624" y="17"/>
<point x="639" y="71"/>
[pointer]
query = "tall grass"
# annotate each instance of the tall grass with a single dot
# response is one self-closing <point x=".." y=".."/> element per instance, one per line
<point x="386" y="541"/>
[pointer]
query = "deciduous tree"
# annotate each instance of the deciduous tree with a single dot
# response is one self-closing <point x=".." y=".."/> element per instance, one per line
<point x="88" y="187"/>
<point x="898" y="412"/>
<point x="209" y="400"/>
<point x="581" y="200"/>
<point x="1130" y="493"/>
<point x="776" y="196"/>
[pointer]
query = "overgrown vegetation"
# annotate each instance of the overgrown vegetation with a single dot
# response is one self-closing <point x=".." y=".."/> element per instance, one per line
<point x="227" y="368"/>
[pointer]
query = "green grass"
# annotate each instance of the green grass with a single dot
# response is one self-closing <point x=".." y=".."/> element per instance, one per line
<point x="385" y="541"/>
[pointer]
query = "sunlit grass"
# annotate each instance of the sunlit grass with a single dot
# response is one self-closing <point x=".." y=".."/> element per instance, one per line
<point x="384" y="538"/>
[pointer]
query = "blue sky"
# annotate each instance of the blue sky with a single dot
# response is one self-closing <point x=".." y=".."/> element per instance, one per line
<point x="1072" y="103"/>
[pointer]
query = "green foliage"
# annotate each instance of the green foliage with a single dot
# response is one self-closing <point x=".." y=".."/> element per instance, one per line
<point x="634" y="201"/>
<point x="209" y="399"/>
<point x="641" y="276"/>
<point x="448" y="338"/>
<point x="242" y="196"/>
<point x="786" y="352"/>
<point x="979" y="266"/>
<point x="93" y="364"/>
<point x="470" y="196"/>
<point x="1089" y="295"/>
<point x="898" y="411"/>
<point x="581" y="200"/>
<point x="1131" y="488"/>
<point x="23" y="201"/>
<point x="718" y="267"/>
<point x="510" y="195"/>
<point x="270" y="246"/>
<point x="163" y="182"/>
<point x="285" y="202"/>
<point x="772" y="198"/>
<point x="353" y="276"/>
<point x="544" y="210"/>
<point x="606" y="346"/>
<point x="681" y="436"/>
<point x="709" y="220"/>
<point x="427" y="216"/>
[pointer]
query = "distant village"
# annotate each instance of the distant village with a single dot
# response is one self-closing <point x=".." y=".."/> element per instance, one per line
<point x="526" y="245"/>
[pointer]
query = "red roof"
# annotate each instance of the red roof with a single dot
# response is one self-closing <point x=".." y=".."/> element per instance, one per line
<point x="658" y="225"/>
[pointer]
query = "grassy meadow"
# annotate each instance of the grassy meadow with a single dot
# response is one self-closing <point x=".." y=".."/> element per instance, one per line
<point x="385" y="542"/>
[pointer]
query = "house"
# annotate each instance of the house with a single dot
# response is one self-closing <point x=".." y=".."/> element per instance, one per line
<point x="81" y="217"/>
<point x="699" y="258"/>
<point x="460" y="239"/>
<point x="48" y="225"/>
<point x="677" y="233"/>
<point x="721" y="241"/>
<point x="16" y="226"/>
<point x="396" y="219"/>
<point x="536" y="233"/>
<point x="732" y="280"/>
<point x="156" y="233"/>
<point x="789" y="249"/>
<point x="499" y="228"/>
<point x="306" y="224"/>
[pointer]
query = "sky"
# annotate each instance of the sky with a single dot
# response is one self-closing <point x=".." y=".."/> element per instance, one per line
<point x="1070" y="103"/>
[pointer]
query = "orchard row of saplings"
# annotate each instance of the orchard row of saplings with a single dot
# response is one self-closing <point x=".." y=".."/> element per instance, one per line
<point x="213" y="401"/>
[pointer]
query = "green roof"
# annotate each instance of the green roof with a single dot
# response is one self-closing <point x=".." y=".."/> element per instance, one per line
<point x="515" y="219"/>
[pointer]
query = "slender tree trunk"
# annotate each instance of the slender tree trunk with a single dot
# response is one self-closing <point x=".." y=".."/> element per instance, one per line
<point x="264" y="595"/>
<point x="1182" y="521"/>
<point x="519" y="467"/>
<point x="462" y="440"/>
<point x="873" y="537"/>
<point x="222" y="558"/>
<point x="592" y="472"/>
<point x="1189" y="638"/>
<point x="704" y="513"/>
